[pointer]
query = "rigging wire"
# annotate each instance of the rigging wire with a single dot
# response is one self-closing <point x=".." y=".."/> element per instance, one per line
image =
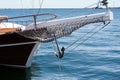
<point x="22" y="11"/>
<point x="90" y="36"/>
<point x="40" y="5"/>
<point x="81" y="37"/>
<point x="77" y="10"/>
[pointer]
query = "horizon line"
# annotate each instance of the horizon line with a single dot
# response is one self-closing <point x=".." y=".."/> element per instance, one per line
<point x="56" y="8"/>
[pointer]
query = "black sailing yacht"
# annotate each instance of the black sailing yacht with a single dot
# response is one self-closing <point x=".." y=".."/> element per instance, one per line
<point x="18" y="42"/>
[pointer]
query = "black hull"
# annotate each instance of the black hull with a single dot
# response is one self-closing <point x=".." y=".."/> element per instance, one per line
<point x="16" y="50"/>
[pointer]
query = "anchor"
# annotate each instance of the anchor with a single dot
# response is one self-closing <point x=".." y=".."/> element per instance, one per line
<point x="59" y="53"/>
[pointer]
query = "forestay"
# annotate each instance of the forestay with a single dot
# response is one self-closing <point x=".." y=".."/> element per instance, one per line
<point x="47" y="30"/>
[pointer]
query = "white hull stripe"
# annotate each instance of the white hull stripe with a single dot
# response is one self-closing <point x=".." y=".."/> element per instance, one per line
<point x="16" y="44"/>
<point x="29" y="61"/>
<point x="17" y="66"/>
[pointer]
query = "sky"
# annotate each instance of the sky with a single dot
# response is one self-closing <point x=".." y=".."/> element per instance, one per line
<point x="53" y="3"/>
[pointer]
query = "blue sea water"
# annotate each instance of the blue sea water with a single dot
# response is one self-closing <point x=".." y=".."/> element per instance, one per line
<point x="98" y="58"/>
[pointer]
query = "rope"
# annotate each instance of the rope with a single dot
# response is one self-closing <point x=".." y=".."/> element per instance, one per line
<point x="40" y="5"/>
<point x="56" y="44"/>
<point x="81" y="37"/>
<point x="90" y="36"/>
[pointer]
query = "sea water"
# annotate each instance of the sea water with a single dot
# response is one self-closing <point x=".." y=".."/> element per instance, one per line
<point x="97" y="58"/>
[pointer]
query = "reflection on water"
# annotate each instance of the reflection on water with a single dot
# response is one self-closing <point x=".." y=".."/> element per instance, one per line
<point x="14" y="74"/>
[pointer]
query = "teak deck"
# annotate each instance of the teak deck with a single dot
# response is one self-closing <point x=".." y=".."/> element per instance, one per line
<point x="7" y="30"/>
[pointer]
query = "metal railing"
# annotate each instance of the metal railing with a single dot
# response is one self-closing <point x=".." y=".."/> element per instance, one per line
<point x="28" y="19"/>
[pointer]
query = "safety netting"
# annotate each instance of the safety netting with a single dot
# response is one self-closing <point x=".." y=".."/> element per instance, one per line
<point x="47" y="31"/>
